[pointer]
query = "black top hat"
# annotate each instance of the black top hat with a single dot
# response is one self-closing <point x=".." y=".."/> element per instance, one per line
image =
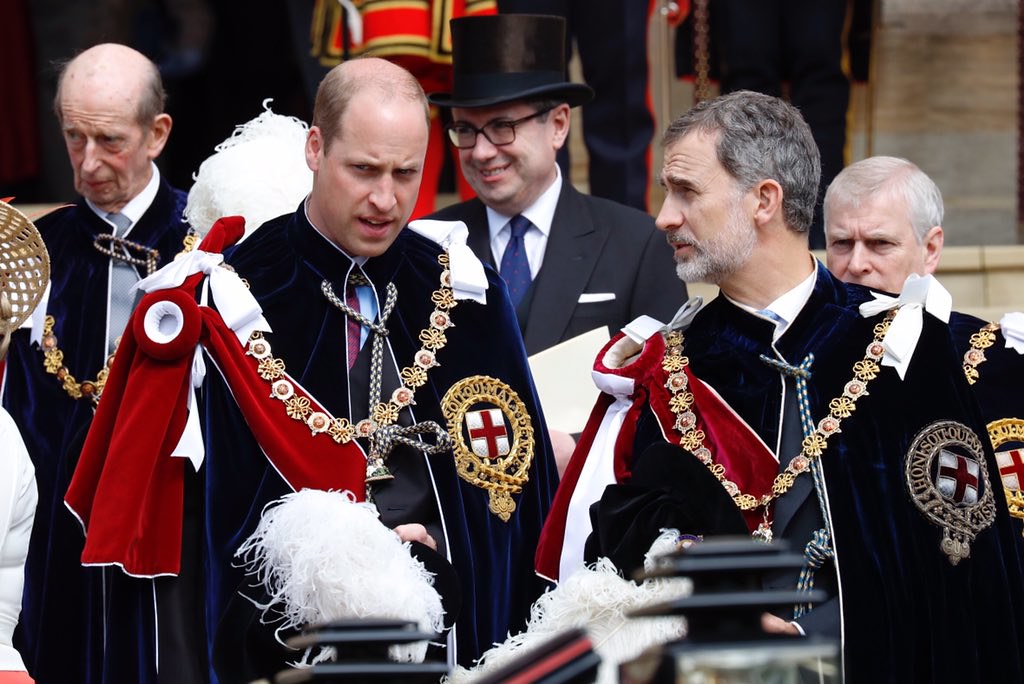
<point x="505" y="57"/>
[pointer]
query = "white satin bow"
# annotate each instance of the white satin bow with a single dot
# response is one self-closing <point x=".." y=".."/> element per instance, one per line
<point x="1012" y="327"/>
<point x="468" y="278"/>
<point x="235" y="303"/>
<point x="918" y="295"/>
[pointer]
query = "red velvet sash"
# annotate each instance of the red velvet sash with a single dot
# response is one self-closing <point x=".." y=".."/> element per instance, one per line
<point x="748" y="461"/>
<point x="127" y="489"/>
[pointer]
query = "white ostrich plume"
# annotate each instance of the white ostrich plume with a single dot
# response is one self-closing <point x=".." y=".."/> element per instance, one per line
<point x="321" y="556"/>
<point x="596" y="598"/>
<point x="259" y="173"/>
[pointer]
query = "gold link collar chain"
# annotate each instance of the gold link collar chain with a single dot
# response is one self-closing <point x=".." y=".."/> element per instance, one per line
<point x="692" y="438"/>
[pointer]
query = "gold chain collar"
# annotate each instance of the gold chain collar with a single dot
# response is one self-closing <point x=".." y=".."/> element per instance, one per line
<point x="975" y="356"/>
<point x="432" y="338"/>
<point x="692" y="438"/>
<point x="53" y="362"/>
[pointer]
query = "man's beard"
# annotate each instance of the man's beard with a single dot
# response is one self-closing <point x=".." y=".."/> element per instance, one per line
<point x="720" y="256"/>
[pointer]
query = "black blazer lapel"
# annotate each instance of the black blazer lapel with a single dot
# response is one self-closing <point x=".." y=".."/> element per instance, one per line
<point x="574" y="246"/>
<point x="479" y="231"/>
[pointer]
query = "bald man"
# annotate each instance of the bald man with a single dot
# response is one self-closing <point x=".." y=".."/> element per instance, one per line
<point x="883" y="221"/>
<point x="126" y="223"/>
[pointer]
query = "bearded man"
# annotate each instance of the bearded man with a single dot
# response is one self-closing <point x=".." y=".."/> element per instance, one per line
<point x="837" y="422"/>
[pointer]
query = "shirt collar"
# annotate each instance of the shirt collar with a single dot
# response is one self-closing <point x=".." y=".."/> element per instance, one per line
<point x="788" y="306"/>
<point x="137" y="205"/>
<point x="541" y="213"/>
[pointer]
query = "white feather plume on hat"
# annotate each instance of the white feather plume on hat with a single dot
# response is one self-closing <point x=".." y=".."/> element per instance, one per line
<point x="259" y="173"/>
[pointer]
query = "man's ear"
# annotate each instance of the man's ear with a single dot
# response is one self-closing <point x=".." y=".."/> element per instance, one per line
<point x="932" y="245"/>
<point x="159" y="131"/>
<point x="314" y="146"/>
<point x="560" y="117"/>
<point x="768" y="196"/>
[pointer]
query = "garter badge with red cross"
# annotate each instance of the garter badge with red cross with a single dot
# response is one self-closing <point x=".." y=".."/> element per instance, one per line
<point x="1007" y="437"/>
<point x="492" y="438"/>
<point x="948" y="480"/>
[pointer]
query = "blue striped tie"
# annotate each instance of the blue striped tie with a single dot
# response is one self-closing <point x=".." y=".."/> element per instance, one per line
<point x="515" y="268"/>
<point x="122" y="278"/>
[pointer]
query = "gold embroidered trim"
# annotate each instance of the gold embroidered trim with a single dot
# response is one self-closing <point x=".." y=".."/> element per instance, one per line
<point x="975" y="356"/>
<point x="692" y="439"/>
<point x="53" y="362"/>
<point x="341" y="430"/>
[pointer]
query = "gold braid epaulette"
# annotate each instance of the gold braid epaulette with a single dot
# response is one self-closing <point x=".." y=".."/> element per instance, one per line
<point x="975" y="356"/>
<point x="692" y="439"/>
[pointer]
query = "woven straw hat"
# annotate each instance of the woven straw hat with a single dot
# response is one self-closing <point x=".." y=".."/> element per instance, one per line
<point x="24" y="270"/>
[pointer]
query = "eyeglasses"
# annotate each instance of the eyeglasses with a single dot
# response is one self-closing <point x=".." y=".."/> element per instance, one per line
<point x="463" y="135"/>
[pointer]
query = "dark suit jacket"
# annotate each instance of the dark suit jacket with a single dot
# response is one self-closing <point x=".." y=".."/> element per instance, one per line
<point x="595" y="246"/>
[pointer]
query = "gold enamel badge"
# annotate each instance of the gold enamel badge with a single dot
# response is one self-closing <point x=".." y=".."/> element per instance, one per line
<point x="948" y="480"/>
<point x="492" y="437"/>
<point x="1007" y="437"/>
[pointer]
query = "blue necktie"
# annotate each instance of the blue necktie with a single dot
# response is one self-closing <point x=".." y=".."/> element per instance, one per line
<point x="768" y="313"/>
<point x="515" y="268"/>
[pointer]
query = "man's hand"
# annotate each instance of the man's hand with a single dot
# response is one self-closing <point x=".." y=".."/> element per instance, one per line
<point x="414" y="532"/>
<point x="773" y="624"/>
<point x="562" y="444"/>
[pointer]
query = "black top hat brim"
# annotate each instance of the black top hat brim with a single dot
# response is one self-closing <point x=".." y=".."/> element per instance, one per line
<point x="573" y="94"/>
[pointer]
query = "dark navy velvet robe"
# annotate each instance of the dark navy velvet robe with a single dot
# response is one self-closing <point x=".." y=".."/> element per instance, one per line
<point x="905" y="614"/>
<point x="284" y="263"/>
<point x="61" y="633"/>
<point x="999" y="389"/>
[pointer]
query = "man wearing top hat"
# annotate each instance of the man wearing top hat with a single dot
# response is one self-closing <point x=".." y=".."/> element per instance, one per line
<point x="572" y="262"/>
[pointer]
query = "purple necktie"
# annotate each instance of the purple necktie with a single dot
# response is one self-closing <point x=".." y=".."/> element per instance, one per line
<point x="355" y="328"/>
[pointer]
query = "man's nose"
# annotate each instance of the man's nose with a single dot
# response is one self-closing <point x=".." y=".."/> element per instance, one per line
<point x="91" y="157"/>
<point x="670" y="216"/>
<point x="382" y="197"/>
<point x="860" y="261"/>
<point x="483" y="148"/>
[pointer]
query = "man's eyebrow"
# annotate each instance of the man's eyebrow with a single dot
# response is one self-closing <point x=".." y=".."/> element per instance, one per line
<point x="675" y="180"/>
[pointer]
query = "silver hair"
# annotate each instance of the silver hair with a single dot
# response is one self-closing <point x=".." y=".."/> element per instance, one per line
<point x="760" y="137"/>
<point x="893" y="175"/>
